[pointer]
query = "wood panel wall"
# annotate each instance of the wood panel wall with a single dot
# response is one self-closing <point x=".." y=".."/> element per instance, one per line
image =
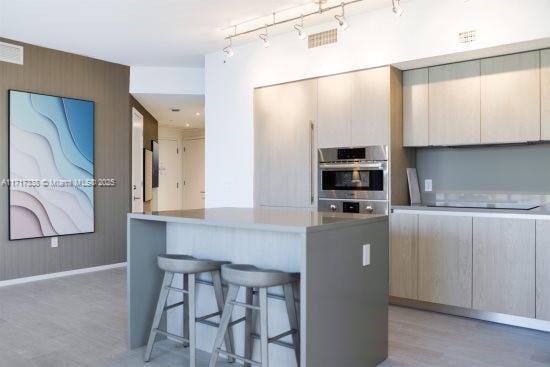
<point x="59" y="73"/>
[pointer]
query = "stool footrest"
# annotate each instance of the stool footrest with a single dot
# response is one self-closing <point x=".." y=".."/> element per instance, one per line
<point x="169" y="307"/>
<point x="177" y="337"/>
<point x="282" y="335"/>
<point x="176" y="289"/>
<point x="206" y="317"/>
<point x="232" y="355"/>
<point x="276" y="342"/>
<point x="245" y="305"/>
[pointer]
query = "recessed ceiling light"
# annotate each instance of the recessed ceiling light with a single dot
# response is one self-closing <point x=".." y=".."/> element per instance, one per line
<point x="173" y="109"/>
<point x="198" y="114"/>
<point x="187" y="125"/>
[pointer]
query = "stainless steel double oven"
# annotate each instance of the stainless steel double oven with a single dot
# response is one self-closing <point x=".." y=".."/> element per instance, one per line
<point x="353" y="180"/>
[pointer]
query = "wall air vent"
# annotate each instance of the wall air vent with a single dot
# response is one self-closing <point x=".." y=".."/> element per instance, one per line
<point x="323" y="38"/>
<point x="11" y="53"/>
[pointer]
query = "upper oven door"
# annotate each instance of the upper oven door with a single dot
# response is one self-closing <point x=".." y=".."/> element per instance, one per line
<point x="366" y="181"/>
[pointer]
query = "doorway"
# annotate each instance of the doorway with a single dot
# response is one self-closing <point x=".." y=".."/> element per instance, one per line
<point x="194" y="194"/>
<point x="137" y="161"/>
<point x="169" y="192"/>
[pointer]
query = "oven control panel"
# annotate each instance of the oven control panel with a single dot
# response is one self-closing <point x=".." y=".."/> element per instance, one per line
<point x="352" y="206"/>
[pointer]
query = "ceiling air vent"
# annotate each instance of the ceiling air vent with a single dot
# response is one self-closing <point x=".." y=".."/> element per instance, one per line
<point x="11" y="53"/>
<point x="323" y="38"/>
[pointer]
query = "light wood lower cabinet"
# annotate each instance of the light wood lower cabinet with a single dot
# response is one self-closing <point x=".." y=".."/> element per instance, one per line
<point x="445" y="260"/>
<point x="543" y="270"/>
<point x="404" y="255"/>
<point x="504" y="266"/>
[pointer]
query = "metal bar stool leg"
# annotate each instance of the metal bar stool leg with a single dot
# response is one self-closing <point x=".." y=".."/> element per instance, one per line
<point x="186" y="310"/>
<point x="248" y="326"/>
<point x="288" y="290"/>
<point x="163" y="296"/>
<point x="192" y="320"/>
<point x="218" y="291"/>
<point x="224" y="323"/>
<point x="264" y="335"/>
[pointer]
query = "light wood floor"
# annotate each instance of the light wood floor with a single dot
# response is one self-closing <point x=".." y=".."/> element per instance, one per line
<point x="81" y="321"/>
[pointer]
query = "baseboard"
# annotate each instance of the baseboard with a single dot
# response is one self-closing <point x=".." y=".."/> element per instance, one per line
<point x="499" y="318"/>
<point x="5" y="283"/>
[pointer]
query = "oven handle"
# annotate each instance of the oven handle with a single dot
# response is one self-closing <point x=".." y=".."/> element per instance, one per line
<point x="351" y="165"/>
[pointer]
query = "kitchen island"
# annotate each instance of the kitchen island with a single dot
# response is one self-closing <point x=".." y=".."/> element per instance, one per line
<point x="342" y="260"/>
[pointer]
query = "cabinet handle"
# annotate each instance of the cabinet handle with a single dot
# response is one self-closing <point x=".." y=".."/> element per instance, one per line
<point x="311" y="160"/>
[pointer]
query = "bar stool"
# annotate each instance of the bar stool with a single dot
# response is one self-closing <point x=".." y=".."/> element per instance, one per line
<point x="250" y="277"/>
<point x="189" y="267"/>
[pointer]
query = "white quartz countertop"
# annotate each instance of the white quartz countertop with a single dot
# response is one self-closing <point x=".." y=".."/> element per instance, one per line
<point x="542" y="212"/>
<point x="280" y="219"/>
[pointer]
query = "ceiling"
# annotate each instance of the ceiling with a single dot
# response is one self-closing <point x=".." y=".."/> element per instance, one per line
<point x="159" y="106"/>
<point x="149" y="32"/>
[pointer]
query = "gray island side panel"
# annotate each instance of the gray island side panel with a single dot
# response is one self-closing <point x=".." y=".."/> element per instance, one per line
<point x="146" y="239"/>
<point x="347" y="303"/>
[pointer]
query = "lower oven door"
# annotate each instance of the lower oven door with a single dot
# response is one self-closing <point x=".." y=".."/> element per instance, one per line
<point x="361" y="181"/>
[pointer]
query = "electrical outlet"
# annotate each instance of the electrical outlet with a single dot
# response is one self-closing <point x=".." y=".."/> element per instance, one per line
<point x="54" y="242"/>
<point x="428" y="185"/>
<point x="366" y="254"/>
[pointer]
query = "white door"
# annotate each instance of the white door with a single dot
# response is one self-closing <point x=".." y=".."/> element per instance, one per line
<point x="169" y="192"/>
<point x="193" y="174"/>
<point x="137" y="161"/>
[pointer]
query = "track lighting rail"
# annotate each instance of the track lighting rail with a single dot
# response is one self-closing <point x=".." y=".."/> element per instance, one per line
<point x="288" y="20"/>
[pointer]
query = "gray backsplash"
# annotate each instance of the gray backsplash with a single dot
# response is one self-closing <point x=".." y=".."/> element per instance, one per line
<point x="487" y="173"/>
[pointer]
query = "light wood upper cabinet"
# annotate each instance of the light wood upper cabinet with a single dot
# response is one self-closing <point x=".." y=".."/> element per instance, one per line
<point x="445" y="260"/>
<point x="454" y="108"/>
<point x="284" y="144"/>
<point x="543" y="270"/>
<point x="370" y="107"/>
<point x="545" y="94"/>
<point x="334" y="111"/>
<point x="404" y="255"/>
<point x="510" y="98"/>
<point x="504" y="266"/>
<point x="415" y="107"/>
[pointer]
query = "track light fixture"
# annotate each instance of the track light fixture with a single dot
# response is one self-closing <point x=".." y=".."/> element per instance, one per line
<point x="397" y="9"/>
<point x="300" y="29"/>
<point x="342" y="19"/>
<point x="265" y="37"/>
<point x="228" y="50"/>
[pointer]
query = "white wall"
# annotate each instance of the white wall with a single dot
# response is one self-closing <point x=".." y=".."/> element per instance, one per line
<point x="427" y="31"/>
<point x="166" y="80"/>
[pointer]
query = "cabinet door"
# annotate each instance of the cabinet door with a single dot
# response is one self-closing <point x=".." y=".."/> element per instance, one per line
<point x="504" y="266"/>
<point x="415" y="108"/>
<point x="455" y="117"/>
<point x="445" y="260"/>
<point x="545" y="94"/>
<point x="404" y="255"/>
<point x="370" y="107"/>
<point x="334" y="111"/>
<point x="284" y="144"/>
<point x="543" y="270"/>
<point x="510" y="98"/>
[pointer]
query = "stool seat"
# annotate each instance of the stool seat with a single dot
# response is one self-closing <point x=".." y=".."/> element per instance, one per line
<point x="252" y="276"/>
<point x="185" y="264"/>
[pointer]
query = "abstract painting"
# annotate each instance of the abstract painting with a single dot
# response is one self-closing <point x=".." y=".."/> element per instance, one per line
<point x="51" y="165"/>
